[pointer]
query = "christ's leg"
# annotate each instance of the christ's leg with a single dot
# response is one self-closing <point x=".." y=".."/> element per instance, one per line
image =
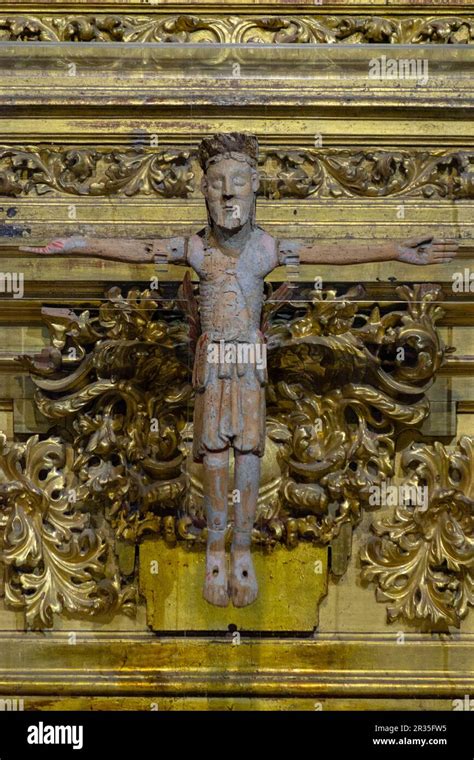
<point x="216" y="478"/>
<point x="243" y="580"/>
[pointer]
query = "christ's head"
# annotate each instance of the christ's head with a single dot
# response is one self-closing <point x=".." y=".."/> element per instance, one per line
<point x="230" y="178"/>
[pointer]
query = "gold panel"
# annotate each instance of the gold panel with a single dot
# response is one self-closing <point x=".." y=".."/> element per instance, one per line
<point x="292" y="583"/>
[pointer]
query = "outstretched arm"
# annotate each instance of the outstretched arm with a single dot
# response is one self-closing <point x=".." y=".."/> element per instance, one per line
<point x="133" y="250"/>
<point x="424" y="250"/>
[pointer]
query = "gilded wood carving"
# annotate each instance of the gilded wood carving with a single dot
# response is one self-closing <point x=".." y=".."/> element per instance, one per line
<point x="333" y="444"/>
<point x="275" y="29"/>
<point x="329" y="173"/>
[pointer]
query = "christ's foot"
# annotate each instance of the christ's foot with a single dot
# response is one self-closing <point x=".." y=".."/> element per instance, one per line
<point x="243" y="581"/>
<point x="215" y="586"/>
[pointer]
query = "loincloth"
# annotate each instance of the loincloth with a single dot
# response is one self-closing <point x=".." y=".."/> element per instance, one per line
<point x="229" y="402"/>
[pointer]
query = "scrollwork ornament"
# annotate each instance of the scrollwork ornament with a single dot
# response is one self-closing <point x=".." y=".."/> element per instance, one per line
<point x="422" y="559"/>
<point x="239" y="29"/>
<point x="303" y="174"/>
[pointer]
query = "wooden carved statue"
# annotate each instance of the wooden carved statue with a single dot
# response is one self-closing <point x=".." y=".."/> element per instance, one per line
<point x="231" y="256"/>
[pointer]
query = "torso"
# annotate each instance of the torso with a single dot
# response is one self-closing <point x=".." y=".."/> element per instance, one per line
<point x="231" y="287"/>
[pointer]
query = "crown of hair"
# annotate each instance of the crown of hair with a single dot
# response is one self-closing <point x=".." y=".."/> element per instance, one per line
<point x="238" y="145"/>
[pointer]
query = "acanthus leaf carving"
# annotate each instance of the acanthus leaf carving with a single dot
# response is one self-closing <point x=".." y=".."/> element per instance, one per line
<point x="94" y="172"/>
<point x="302" y="174"/>
<point x="422" y="559"/>
<point x="56" y="555"/>
<point x="356" y="28"/>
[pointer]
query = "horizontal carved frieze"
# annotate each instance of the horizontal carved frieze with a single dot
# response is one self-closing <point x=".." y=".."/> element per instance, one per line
<point x="375" y="173"/>
<point x="97" y="172"/>
<point x="185" y="28"/>
<point x="320" y="173"/>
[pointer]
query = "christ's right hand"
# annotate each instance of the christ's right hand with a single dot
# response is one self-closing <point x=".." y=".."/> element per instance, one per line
<point x="73" y="244"/>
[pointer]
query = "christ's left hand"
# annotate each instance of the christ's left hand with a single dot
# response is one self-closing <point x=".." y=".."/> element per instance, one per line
<point x="427" y="250"/>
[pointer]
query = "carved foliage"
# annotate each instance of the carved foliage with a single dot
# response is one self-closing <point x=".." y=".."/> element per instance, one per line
<point x="328" y="173"/>
<point x="341" y="383"/>
<point x="422" y="559"/>
<point x="56" y="555"/>
<point x="123" y="400"/>
<point x="381" y="173"/>
<point x="87" y="171"/>
<point x="184" y="28"/>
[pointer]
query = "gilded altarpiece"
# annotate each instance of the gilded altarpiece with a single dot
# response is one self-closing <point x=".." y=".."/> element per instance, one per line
<point x="364" y="602"/>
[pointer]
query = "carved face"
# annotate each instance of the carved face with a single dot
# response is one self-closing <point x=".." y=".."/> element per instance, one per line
<point x="229" y="187"/>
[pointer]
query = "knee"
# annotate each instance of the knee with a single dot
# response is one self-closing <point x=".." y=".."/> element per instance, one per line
<point x="218" y="521"/>
<point x="216" y="460"/>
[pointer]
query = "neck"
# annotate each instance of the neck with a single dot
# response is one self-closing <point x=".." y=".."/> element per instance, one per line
<point x="234" y="239"/>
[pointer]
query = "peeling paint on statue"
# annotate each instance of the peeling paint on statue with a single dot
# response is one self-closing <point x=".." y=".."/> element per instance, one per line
<point x="232" y="256"/>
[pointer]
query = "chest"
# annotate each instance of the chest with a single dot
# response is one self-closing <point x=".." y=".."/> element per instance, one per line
<point x="245" y="271"/>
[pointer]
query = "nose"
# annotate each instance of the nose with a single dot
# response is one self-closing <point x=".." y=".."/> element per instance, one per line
<point x="227" y="190"/>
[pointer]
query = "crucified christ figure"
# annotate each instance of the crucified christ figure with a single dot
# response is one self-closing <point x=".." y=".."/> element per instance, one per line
<point x="231" y="257"/>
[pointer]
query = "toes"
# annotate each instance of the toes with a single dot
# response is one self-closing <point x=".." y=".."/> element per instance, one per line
<point x="241" y="598"/>
<point x="215" y="586"/>
<point x="216" y="596"/>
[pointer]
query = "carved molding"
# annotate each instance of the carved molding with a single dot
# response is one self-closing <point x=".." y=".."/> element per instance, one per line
<point x="185" y="28"/>
<point x="307" y="173"/>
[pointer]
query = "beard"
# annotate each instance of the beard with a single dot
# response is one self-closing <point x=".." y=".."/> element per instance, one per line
<point x="226" y="219"/>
